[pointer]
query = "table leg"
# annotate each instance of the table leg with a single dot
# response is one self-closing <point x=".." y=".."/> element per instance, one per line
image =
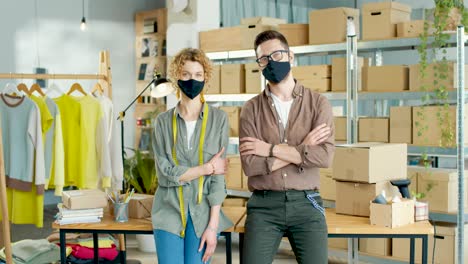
<point x="96" y="247"/>
<point x="411" y="251"/>
<point x="424" y="248"/>
<point x="350" y="250"/>
<point x="355" y="250"/>
<point x="63" y="248"/>
<point x="241" y="248"/>
<point x="228" y="237"/>
<point x="123" y="248"/>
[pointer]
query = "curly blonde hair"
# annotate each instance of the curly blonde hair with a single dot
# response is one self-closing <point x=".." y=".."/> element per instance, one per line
<point x="190" y="54"/>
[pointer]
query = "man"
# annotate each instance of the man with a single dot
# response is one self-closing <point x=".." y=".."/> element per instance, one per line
<point x="286" y="135"/>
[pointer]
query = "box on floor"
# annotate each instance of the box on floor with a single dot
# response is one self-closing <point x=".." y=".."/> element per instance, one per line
<point x="373" y="129"/>
<point x="315" y="77"/>
<point x="379" y="19"/>
<point x="232" y="79"/>
<point x="445" y="247"/>
<point x="339" y="73"/>
<point x="392" y="215"/>
<point x="370" y="162"/>
<point x="340" y="128"/>
<point x="433" y="135"/>
<point x="387" y="78"/>
<point x="233" y="113"/>
<point x="327" y="184"/>
<point x="416" y="81"/>
<point x="376" y="246"/>
<point x="361" y="193"/>
<point x="401" y="124"/>
<point x="253" y="78"/>
<point x="443" y="195"/>
<point x="329" y="25"/>
<point x="233" y="176"/>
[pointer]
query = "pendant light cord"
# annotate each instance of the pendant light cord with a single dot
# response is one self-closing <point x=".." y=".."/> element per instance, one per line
<point x="36" y="33"/>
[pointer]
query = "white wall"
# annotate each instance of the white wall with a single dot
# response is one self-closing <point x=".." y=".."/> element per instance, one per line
<point x="63" y="48"/>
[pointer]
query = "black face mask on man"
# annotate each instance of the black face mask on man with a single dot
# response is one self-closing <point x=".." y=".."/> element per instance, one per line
<point x="191" y="88"/>
<point x="276" y="71"/>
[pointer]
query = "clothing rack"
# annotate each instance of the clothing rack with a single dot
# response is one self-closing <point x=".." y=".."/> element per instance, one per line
<point x="104" y="78"/>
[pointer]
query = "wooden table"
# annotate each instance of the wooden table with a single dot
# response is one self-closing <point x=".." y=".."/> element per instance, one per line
<point x="133" y="226"/>
<point x="354" y="227"/>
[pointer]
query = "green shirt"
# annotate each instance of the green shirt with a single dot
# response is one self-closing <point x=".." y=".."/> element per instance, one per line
<point x="166" y="209"/>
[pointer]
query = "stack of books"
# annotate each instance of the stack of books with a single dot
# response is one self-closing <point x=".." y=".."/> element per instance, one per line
<point x="78" y="216"/>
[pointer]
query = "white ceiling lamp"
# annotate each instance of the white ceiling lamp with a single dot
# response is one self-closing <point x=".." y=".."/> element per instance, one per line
<point x="179" y="6"/>
<point x="83" y="20"/>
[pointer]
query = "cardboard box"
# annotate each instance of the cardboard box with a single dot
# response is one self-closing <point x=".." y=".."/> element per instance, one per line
<point x="415" y="80"/>
<point x="232" y="79"/>
<point x="222" y="39"/>
<point x="250" y="32"/>
<point x="376" y="246"/>
<point x="234" y="174"/>
<point x="295" y="34"/>
<point x="379" y="19"/>
<point x="140" y="206"/>
<point x="401" y="124"/>
<point x="253" y="78"/>
<point x="327" y="185"/>
<point x="315" y="77"/>
<point x="370" y="162"/>
<point x="245" y="181"/>
<point x="388" y="78"/>
<point x="329" y="25"/>
<point x="340" y="128"/>
<point x="340" y="243"/>
<point x="84" y="199"/>
<point x="338" y="80"/>
<point x="237" y="202"/>
<point x="413" y="172"/>
<point x="233" y="115"/>
<point x="361" y="193"/>
<point x="373" y="129"/>
<point x="214" y="87"/>
<point x="443" y="197"/>
<point x="392" y="215"/>
<point x="410" y="29"/>
<point x="445" y="247"/>
<point x="272" y="21"/>
<point x="434" y="132"/>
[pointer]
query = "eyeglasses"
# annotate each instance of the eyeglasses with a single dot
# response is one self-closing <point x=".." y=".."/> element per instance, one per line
<point x="274" y="56"/>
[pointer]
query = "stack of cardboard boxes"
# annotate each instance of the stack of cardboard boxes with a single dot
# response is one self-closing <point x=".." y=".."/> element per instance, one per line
<point x="363" y="171"/>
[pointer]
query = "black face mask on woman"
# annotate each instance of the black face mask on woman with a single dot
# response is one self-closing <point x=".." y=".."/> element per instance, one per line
<point x="276" y="71"/>
<point x="191" y="88"/>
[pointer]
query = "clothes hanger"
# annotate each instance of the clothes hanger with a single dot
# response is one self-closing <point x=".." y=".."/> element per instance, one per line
<point x="24" y="88"/>
<point x="53" y="87"/>
<point x="76" y="87"/>
<point x="36" y="88"/>
<point x="97" y="88"/>
<point x="11" y="88"/>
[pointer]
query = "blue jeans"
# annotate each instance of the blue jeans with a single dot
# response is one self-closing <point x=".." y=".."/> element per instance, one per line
<point x="173" y="249"/>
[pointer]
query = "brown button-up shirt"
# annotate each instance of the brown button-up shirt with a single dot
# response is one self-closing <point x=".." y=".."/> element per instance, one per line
<point x="260" y="120"/>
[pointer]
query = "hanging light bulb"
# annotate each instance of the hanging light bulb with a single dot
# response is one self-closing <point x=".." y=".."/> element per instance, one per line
<point x="83" y="20"/>
<point x="83" y="24"/>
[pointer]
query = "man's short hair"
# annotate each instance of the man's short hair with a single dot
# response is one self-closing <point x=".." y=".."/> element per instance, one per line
<point x="269" y="35"/>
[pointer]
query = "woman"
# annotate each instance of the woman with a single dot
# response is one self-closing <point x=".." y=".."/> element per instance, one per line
<point x="189" y="145"/>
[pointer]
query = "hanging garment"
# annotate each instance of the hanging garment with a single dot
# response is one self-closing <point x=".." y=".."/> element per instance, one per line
<point x="70" y="114"/>
<point x="113" y="141"/>
<point x="22" y="141"/>
<point x="54" y="152"/>
<point x="94" y="154"/>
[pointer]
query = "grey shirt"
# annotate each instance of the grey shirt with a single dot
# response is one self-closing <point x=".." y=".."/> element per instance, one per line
<point x="166" y="209"/>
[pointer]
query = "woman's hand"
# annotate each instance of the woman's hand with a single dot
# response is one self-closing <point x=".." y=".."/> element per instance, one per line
<point x="218" y="164"/>
<point x="210" y="238"/>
